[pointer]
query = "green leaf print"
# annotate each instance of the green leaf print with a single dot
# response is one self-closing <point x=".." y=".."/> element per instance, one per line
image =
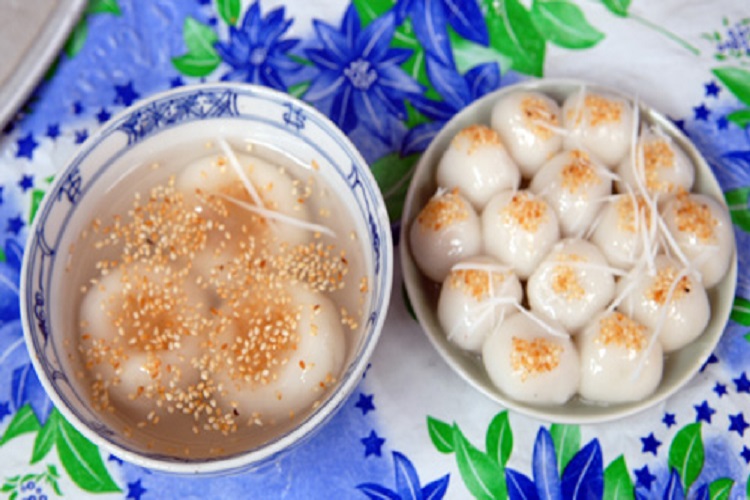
<point x="77" y="38"/>
<point x="562" y="23"/>
<point x="469" y="54"/>
<point x="369" y="10"/>
<point x="483" y="476"/>
<point x="720" y="489"/>
<point x="741" y="118"/>
<point x="82" y="461"/>
<point x="499" y="440"/>
<point x="298" y="89"/>
<point x="737" y="80"/>
<point x="513" y="33"/>
<point x="441" y="435"/>
<point x="24" y="421"/>
<point x="229" y="10"/>
<point x="37" y="195"/>
<point x="567" y="439"/>
<point x="201" y="58"/>
<point x="617" y="482"/>
<point x="407" y="303"/>
<point x="415" y="66"/>
<point x="392" y="172"/>
<point x="686" y="454"/>
<point x="103" y="7"/>
<point x="737" y="201"/>
<point x="618" y="7"/>
<point x="199" y="38"/>
<point x="46" y="437"/>
<point x="741" y="311"/>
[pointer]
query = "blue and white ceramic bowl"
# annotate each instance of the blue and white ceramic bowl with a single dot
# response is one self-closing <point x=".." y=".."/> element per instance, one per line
<point x="175" y="122"/>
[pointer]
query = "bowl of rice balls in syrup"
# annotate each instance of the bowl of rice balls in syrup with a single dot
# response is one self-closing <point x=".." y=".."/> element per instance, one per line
<point x="568" y="252"/>
<point x="207" y="278"/>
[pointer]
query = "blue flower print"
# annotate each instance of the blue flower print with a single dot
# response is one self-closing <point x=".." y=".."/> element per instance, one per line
<point x="582" y="478"/>
<point x="432" y="17"/>
<point x="408" y="486"/>
<point x="358" y="75"/>
<point x="14" y="359"/>
<point x="457" y="92"/>
<point x="256" y="52"/>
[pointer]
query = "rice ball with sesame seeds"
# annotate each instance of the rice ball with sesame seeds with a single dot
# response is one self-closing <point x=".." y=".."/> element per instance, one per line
<point x="477" y="163"/>
<point x="529" y="125"/>
<point x="619" y="361"/>
<point x="623" y="230"/>
<point x="519" y="228"/>
<point x="213" y="186"/>
<point x="137" y="331"/>
<point x="661" y="167"/>
<point x="445" y="232"/>
<point x="599" y="123"/>
<point x="284" y="358"/>
<point x="530" y="364"/>
<point x="669" y="301"/>
<point x="703" y="230"/>
<point x="475" y="297"/>
<point x="572" y="284"/>
<point x="575" y="185"/>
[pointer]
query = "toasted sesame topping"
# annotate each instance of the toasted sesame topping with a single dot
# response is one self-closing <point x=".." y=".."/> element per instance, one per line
<point x="539" y="116"/>
<point x="579" y="173"/>
<point x="476" y="136"/>
<point x="474" y="282"/>
<point x="535" y="357"/>
<point x="599" y="109"/>
<point x="695" y="218"/>
<point x="525" y="212"/>
<point x="443" y="211"/>
<point x="618" y="329"/>
<point x="626" y="215"/>
<point x="658" y="155"/>
<point x="565" y="282"/>
<point x="658" y="291"/>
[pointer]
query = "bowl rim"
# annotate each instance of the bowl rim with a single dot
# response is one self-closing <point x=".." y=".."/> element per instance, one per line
<point x="452" y="354"/>
<point x="352" y="374"/>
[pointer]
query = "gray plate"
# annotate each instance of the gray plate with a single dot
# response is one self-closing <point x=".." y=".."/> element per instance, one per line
<point x="31" y="35"/>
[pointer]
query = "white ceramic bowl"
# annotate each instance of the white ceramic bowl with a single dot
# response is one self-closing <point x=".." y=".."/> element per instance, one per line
<point x="180" y="122"/>
<point x="679" y="367"/>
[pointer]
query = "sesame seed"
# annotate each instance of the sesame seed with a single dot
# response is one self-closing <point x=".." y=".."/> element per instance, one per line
<point x="578" y="173"/>
<point x="695" y="218"/>
<point x="534" y="357"/>
<point x="525" y="211"/>
<point x="539" y="116"/>
<point x="475" y="137"/>
<point x="617" y="329"/>
<point x="443" y="211"/>
<point x="658" y="290"/>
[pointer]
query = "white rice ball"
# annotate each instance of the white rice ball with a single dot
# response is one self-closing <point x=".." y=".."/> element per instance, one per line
<point x="599" y="123"/>
<point x="445" y="232"/>
<point x="572" y="284"/>
<point x="616" y="364"/>
<point x="519" y="228"/>
<point x="529" y="124"/>
<point x="477" y="164"/>
<point x="529" y="364"/>
<point x="465" y="307"/>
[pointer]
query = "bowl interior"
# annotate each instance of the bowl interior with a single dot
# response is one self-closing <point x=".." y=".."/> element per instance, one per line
<point x="679" y="366"/>
<point x="172" y="130"/>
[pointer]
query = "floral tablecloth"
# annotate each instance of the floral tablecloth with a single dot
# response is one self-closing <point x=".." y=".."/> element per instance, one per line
<point x="390" y="74"/>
